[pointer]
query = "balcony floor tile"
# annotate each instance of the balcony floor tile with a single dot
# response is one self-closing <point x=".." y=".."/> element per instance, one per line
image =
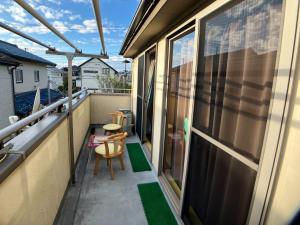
<point x="104" y="201"/>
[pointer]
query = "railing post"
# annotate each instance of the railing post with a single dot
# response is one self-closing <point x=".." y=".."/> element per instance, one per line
<point x="70" y="117"/>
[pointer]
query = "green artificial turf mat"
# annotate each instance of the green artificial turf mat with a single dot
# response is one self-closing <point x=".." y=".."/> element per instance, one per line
<point x="137" y="158"/>
<point x="156" y="208"/>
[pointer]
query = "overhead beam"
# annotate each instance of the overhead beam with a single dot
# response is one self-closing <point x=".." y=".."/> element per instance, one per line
<point x="77" y="54"/>
<point x="34" y="13"/>
<point x="96" y="7"/>
<point x="13" y="30"/>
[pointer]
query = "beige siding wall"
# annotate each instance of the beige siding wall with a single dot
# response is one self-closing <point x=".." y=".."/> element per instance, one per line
<point x="81" y="123"/>
<point x="285" y="200"/>
<point x="101" y="105"/>
<point x="158" y="103"/>
<point x="32" y="193"/>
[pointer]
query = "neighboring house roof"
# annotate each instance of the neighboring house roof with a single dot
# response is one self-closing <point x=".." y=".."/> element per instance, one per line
<point x="17" y="53"/>
<point x="56" y="70"/>
<point x="100" y="61"/>
<point x="24" y="101"/>
<point x="9" y="61"/>
<point x="75" y="70"/>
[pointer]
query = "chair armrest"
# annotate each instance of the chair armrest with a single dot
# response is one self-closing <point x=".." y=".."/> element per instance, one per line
<point x="101" y="139"/>
<point x="114" y="136"/>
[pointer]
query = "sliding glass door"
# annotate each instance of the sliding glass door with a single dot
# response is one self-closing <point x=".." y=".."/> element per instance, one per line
<point x="140" y="98"/>
<point x="236" y="67"/>
<point x="178" y="97"/>
<point x="149" y="96"/>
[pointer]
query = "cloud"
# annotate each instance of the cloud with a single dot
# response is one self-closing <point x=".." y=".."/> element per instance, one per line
<point x="88" y="26"/>
<point x="81" y="1"/>
<point x="57" y="2"/>
<point x="51" y="13"/>
<point x="60" y="26"/>
<point x="17" y="13"/>
<point x="27" y="45"/>
<point x="74" y="17"/>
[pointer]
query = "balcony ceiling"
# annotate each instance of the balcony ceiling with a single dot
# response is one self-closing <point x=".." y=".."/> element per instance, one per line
<point x="162" y="18"/>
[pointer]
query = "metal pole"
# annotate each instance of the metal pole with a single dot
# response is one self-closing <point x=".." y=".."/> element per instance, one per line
<point x="96" y="7"/>
<point x="70" y="117"/>
<point x="49" y="94"/>
<point x="77" y="54"/>
<point x="11" y="29"/>
<point x="34" y="13"/>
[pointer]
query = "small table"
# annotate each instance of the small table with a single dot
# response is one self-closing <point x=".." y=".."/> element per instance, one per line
<point x="112" y="127"/>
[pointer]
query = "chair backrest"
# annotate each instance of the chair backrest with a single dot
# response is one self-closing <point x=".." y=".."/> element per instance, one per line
<point x="119" y="142"/>
<point x="118" y="118"/>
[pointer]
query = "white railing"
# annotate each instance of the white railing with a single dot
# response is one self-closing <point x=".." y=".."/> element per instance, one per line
<point x="16" y="127"/>
<point x="110" y="90"/>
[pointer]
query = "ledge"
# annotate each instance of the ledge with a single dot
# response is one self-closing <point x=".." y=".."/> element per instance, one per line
<point x="111" y="94"/>
<point x="26" y="142"/>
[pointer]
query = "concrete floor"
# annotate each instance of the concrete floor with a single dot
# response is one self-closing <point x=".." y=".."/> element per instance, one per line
<point x="98" y="200"/>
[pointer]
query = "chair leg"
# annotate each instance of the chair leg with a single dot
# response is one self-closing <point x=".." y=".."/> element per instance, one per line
<point x="97" y="164"/>
<point x="111" y="169"/>
<point x="122" y="162"/>
<point x="107" y="163"/>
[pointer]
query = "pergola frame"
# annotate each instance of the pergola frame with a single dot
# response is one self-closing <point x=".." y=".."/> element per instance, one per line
<point x="69" y="55"/>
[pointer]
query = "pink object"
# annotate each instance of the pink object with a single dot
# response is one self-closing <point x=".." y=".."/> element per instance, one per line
<point x="91" y="142"/>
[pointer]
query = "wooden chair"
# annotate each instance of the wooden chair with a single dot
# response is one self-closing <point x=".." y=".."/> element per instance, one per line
<point x="113" y="147"/>
<point x="117" y="123"/>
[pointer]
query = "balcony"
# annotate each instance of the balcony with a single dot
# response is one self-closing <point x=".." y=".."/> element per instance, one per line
<point x="35" y="176"/>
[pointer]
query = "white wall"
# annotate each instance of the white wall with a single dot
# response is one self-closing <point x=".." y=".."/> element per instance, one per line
<point x="6" y="97"/>
<point x="56" y="77"/>
<point x="89" y="80"/>
<point x="28" y="77"/>
<point x="158" y="102"/>
<point x="158" y="99"/>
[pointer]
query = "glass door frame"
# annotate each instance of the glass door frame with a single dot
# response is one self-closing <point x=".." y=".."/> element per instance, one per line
<point x="285" y="64"/>
<point x="152" y="48"/>
<point x="179" y="32"/>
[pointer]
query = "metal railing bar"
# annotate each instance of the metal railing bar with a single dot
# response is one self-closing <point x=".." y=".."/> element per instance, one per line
<point x="13" y="128"/>
<point x="13" y="30"/>
<point x="34" y="13"/>
<point x="96" y="7"/>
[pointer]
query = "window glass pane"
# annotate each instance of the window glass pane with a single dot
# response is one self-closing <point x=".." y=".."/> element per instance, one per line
<point x="178" y="96"/>
<point x="140" y="87"/>
<point x="219" y="187"/>
<point x="239" y="44"/>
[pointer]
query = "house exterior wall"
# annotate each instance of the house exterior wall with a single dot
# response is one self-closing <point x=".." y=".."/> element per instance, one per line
<point x="6" y="96"/>
<point x="56" y="79"/>
<point x="158" y="102"/>
<point x="90" y="80"/>
<point x="103" y="104"/>
<point x="28" y="77"/>
<point x="285" y="198"/>
<point x="284" y="201"/>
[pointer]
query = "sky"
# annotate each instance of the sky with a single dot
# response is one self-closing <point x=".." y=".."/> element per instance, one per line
<point x="76" y="20"/>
